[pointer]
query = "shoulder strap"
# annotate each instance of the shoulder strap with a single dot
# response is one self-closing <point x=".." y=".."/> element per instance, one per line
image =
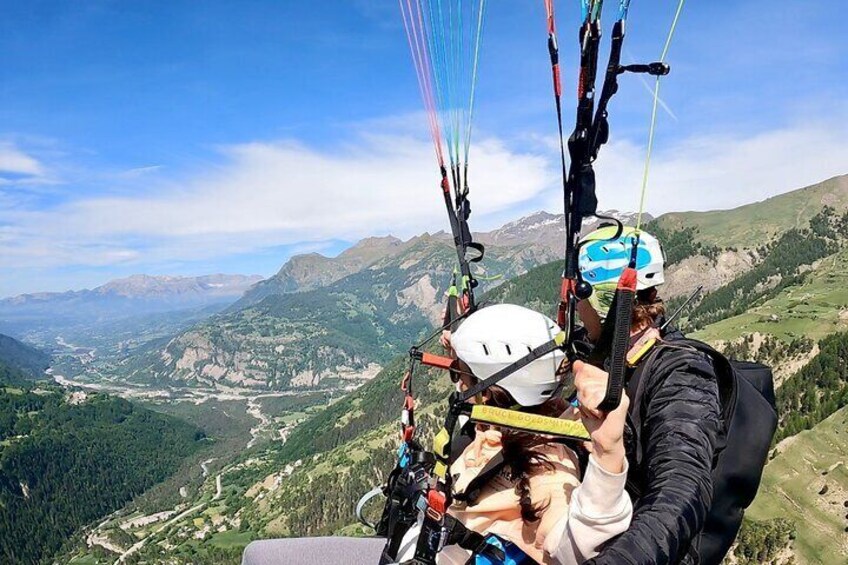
<point x="656" y="364"/>
<point x="475" y="487"/>
<point x="636" y="392"/>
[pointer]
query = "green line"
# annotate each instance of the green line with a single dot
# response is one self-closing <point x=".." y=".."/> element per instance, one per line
<point x="474" y="77"/>
<point x="652" y="129"/>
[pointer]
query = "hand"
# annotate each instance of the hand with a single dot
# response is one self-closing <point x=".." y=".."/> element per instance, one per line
<point x="605" y="429"/>
<point x="445" y="339"/>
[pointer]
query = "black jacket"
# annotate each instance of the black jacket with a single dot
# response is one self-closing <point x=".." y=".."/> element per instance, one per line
<point x="670" y="472"/>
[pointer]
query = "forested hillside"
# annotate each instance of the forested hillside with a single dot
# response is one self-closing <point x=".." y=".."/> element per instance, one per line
<point x="21" y="359"/>
<point x="779" y="269"/>
<point x="67" y="461"/>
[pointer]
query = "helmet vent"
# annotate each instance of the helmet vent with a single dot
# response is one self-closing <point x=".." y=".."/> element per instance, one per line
<point x="528" y="349"/>
<point x="485" y="349"/>
<point x="508" y="350"/>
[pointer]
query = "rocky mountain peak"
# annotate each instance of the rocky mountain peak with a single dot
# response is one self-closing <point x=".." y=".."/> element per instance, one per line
<point x="547" y="229"/>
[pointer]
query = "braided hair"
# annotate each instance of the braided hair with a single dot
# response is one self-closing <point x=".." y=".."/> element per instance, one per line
<point x="520" y="449"/>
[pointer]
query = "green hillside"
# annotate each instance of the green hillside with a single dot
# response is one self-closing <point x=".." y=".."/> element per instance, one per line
<point x="816" y="307"/>
<point x="751" y="225"/>
<point x="784" y="262"/>
<point x="808" y="482"/>
<point x="22" y="358"/>
<point x="65" y="463"/>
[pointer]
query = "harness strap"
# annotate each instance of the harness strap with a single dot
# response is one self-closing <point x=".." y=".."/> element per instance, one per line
<point x="525" y="421"/>
<point x="491" y="470"/>
<point x="458" y="534"/>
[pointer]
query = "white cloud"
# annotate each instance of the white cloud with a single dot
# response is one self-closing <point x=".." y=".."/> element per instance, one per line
<point x="267" y="194"/>
<point x="15" y="161"/>
<point x="263" y="195"/>
<point x="719" y="171"/>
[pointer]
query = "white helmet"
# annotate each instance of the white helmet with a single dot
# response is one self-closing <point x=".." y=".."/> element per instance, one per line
<point x="497" y="336"/>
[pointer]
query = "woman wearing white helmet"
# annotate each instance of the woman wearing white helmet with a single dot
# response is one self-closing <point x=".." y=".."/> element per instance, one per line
<point x="536" y="506"/>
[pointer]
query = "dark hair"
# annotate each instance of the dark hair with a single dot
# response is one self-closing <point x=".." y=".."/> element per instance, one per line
<point x="519" y="448"/>
<point x="647" y="308"/>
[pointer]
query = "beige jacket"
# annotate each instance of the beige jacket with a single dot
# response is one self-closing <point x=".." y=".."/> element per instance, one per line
<point x="576" y="520"/>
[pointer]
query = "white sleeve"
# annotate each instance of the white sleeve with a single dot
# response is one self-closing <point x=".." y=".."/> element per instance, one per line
<point x="600" y="509"/>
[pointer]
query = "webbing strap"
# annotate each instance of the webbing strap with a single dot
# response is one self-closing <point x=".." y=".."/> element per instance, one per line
<point x="525" y="421"/>
<point x="625" y="295"/>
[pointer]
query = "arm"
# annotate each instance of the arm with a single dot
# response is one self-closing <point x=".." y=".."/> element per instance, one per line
<point x="599" y="508"/>
<point x="679" y="435"/>
<point x="598" y="511"/>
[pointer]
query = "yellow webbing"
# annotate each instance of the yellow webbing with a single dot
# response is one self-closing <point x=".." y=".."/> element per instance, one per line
<point x="634" y="358"/>
<point x="440" y="449"/>
<point x="529" y="422"/>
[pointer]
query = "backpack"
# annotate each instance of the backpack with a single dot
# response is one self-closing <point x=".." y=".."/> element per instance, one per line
<point x="749" y="414"/>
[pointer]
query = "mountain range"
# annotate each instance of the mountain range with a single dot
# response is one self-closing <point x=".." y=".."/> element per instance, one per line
<point x="329" y="320"/>
<point x="542" y="231"/>
<point x="164" y="290"/>
<point x="41" y="316"/>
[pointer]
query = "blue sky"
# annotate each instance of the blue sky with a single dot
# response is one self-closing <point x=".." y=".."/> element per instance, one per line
<point x="192" y="137"/>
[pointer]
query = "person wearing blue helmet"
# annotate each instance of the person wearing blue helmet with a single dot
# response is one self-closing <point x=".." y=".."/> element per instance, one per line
<point x="603" y="257"/>
<point x="675" y="423"/>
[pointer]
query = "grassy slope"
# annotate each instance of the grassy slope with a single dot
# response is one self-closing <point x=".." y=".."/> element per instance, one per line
<point x="813" y="309"/>
<point x="751" y="225"/>
<point x="791" y="485"/>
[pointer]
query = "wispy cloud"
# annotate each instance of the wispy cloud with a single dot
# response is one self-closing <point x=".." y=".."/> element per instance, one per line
<point x="16" y="163"/>
<point x="138" y="172"/>
<point x="258" y="196"/>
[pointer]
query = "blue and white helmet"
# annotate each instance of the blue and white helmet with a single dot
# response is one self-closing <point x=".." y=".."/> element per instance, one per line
<point x="602" y="260"/>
